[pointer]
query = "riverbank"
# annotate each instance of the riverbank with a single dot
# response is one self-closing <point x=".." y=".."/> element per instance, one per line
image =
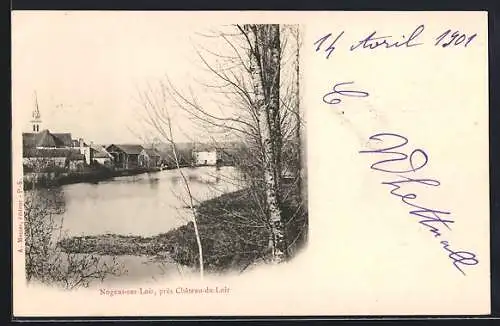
<point x="55" y="179"/>
<point x="232" y="231"/>
<point x="226" y="242"/>
<point x="60" y="177"/>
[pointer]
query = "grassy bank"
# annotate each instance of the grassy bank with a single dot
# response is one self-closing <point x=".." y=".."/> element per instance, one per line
<point x="113" y="245"/>
<point x="232" y="232"/>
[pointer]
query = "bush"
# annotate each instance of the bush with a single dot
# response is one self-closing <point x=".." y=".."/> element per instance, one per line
<point x="231" y="235"/>
<point x="45" y="261"/>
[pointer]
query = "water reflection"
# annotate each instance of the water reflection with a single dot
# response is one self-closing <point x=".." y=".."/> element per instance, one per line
<point x="154" y="183"/>
<point x="145" y="204"/>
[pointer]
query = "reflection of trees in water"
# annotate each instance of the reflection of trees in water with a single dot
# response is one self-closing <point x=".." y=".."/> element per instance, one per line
<point x="45" y="261"/>
<point x="213" y="177"/>
<point x="153" y="182"/>
<point x="199" y="178"/>
<point x="174" y="180"/>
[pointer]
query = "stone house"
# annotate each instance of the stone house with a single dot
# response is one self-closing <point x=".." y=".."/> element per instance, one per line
<point x="125" y="156"/>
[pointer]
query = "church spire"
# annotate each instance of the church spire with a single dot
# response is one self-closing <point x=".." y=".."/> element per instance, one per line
<point x="37" y="120"/>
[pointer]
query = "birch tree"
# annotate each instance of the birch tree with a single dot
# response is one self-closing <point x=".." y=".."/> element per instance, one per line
<point x="246" y="98"/>
<point x="264" y="57"/>
<point x="158" y="117"/>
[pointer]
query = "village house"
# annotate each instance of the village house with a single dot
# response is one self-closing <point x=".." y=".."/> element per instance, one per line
<point x="43" y="149"/>
<point x="48" y="140"/>
<point x="184" y="153"/>
<point x="85" y="150"/>
<point x="100" y="155"/>
<point x="224" y="153"/>
<point x="149" y="158"/>
<point x="125" y="156"/>
<point x="46" y="159"/>
<point x="206" y="156"/>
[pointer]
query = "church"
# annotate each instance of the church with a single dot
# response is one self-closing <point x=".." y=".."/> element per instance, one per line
<point x="45" y="150"/>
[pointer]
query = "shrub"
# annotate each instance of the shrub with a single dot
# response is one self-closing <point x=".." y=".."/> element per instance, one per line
<point x="45" y="261"/>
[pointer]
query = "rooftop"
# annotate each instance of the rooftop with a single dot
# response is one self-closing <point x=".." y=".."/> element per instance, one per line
<point x="127" y="148"/>
<point x="47" y="139"/>
<point x="151" y="152"/>
<point x="71" y="153"/>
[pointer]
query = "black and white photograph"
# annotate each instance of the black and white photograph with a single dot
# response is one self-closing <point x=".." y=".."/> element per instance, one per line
<point x="155" y="152"/>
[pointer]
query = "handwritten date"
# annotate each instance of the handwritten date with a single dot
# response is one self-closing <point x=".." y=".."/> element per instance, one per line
<point x="449" y="38"/>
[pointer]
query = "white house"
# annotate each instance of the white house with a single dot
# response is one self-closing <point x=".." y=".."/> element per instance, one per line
<point x="86" y="151"/>
<point x="205" y="157"/>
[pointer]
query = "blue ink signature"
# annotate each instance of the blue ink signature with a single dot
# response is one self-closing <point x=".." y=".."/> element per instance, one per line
<point x="431" y="218"/>
<point x="330" y="99"/>
<point x="372" y="42"/>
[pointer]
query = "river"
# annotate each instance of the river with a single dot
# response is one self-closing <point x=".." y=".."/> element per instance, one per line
<point x="145" y="204"/>
<point x="141" y="205"/>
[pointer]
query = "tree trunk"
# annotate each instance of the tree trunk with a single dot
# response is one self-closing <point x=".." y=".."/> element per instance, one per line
<point x="191" y="204"/>
<point x="265" y="69"/>
<point x="300" y="169"/>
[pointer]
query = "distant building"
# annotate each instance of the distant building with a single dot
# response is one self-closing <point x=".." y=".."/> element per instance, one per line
<point x="208" y="157"/>
<point x="44" y="141"/>
<point x="149" y="158"/>
<point x="125" y="156"/>
<point x="101" y="155"/>
<point x="205" y="155"/>
<point x="41" y="159"/>
<point x="221" y="154"/>
<point x="86" y="150"/>
<point x="36" y="120"/>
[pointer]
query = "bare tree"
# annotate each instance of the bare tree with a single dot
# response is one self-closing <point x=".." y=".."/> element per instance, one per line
<point x="267" y="119"/>
<point x="45" y="261"/>
<point x="158" y="117"/>
<point x="249" y="100"/>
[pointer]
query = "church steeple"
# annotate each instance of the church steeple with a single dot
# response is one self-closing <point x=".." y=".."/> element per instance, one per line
<point x="36" y="120"/>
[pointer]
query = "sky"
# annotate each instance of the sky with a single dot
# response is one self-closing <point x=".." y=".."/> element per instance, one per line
<point x="87" y="69"/>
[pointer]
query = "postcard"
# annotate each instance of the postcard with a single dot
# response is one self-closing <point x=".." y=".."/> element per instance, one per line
<point x="250" y="163"/>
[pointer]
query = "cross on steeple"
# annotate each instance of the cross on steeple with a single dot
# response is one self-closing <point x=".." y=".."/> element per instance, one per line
<point x="36" y="117"/>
